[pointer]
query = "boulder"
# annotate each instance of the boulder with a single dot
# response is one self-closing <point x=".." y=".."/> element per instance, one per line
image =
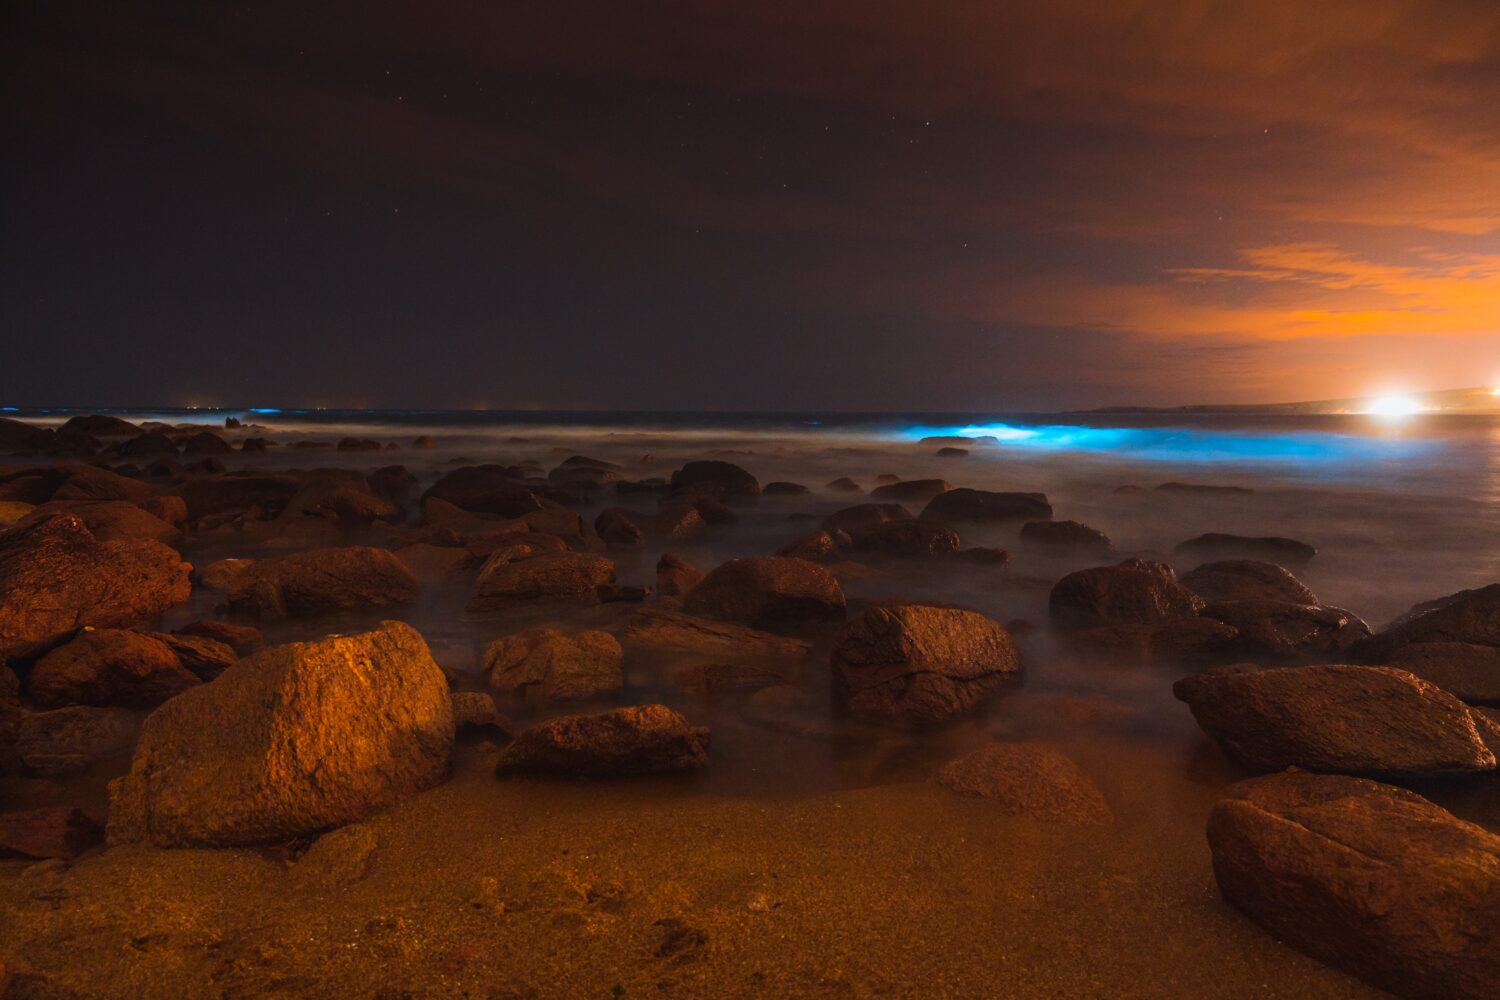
<point x="1470" y="616"/>
<point x="1066" y="536"/>
<point x="202" y="655"/>
<point x="1280" y="630"/>
<point x="961" y="505"/>
<point x="843" y="484"/>
<point x="110" y="520"/>
<point x="1134" y="592"/>
<point x="1217" y="546"/>
<point x="206" y="443"/>
<point x="13" y="512"/>
<point x="784" y="489"/>
<point x="1464" y="670"/>
<point x="1204" y="489"/>
<point x="267" y="494"/>
<point x="48" y="832"/>
<point x="675" y="576"/>
<point x="855" y="521"/>
<point x="1247" y="580"/>
<point x="546" y="665"/>
<point x="322" y="580"/>
<point x="712" y="680"/>
<point x="108" y="667"/>
<point x="657" y="634"/>
<point x="101" y="425"/>
<point x="66" y="740"/>
<point x="763" y="591"/>
<point x="475" y="712"/>
<point x="1029" y="780"/>
<point x="912" y="490"/>
<point x="1369" y="878"/>
<point x="345" y="504"/>
<point x="644" y="739"/>
<point x="817" y="546"/>
<point x="920" y="665"/>
<point x="432" y="564"/>
<point x="1338" y="718"/>
<point x="618" y="526"/>
<point x="908" y="538"/>
<point x="721" y="480"/>
<point x="289" y="742"/>
<point x="485" y="489"/>
<point x="1179" y="642"/>
<point x="951" y="452"/>
<point x="241" y="638"/>
<point x="148" y="445"/>
<point x="550" y="576"/>
<point x="55" y="576"/>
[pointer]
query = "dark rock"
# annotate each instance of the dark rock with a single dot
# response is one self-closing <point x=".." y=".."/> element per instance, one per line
<point x="206" y="443"/>
<point x="653" y="633"/>
<point x="617" y="526"/>
<point x="675" y="576"/>
<point x="322" y="580"/>
<point x="1066" y="536"/>
<point x="55" y="576"/>
<point x="434" y="564"/>
<point x="239" y="493"/>
<point x="1245" y="580"/>
<point x="908" y="538"/>
<point x="48" y="832"/>
<point x="981" y="555"/>
<point x="241" y="638"/>
<point x="66" y="740"/>
<point x="721" y="480"/>
<point x="148" y="445"/>
<point x="843" y="485"/>
<point x="1465" y="670"/>
<point x="911" y="490"/>
<point x="108" y="667"/>
<point x="1372" y="879"/>
<point x="1201" y="489"/>
<point x="644" y="739"/>
<point x="712" y="680"/>
<point x="291" y="741"/>
<point x="783" y="489"/>
<point x="817" y="546"/>
<point x="205" y="657"/>
<point x="109" y="520"/>
<point x="358" y="444"/>
<point x="1217" y="546"/>
<point x="486" y="489"/>
<point x="392" y="482"/>
<point x="101" y="425"/>
<point x="961" y="505"/>
<point x="613" y="593"/>
<point x="953" y="452"/>
<point x="1354" y="720"/>
<point x="345" y="504"/>
<point x="1183" y="642"/>
<point x="548" y="576"/>
<point x="544" y="666"/>
<point x="1471" y="616"/>
<point x="920" y="665"/>
<point x="862" y="517"/>
<point x="475" y="712"/>
<point x="1134" y="592"/>
<point x="767" y="590"/>
<point x="1028" y="780"/>
<point x="1280" y="630"/>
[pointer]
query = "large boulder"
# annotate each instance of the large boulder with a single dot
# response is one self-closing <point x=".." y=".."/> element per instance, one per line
<point x="486" y="489"/>
<point x="653" y="633"/>
<point x="1179" y="642"/>
<point x="763" y="591"/>
<point x="722" y="480"/>
<point x="1372" y="879"/>
<point x="960" y="505"/>
<point x="309" y="583"/>
<point x="855" y="521"/>
<point x="109" y="667"/>
<point x="238" y="493"/>
<point x="55" y="576"/>
<point x="644" y="739"/>
<point x="1281" y="630"/>
<point x="1135" y="592"/>
<point x="546" y="665"/>
<point x="290" y="741"/>
<point x="1070" y="537"/>
<point x="549" y="576"/>
<point x="908" y="538"/>
<point x="1339" y="718"/>
<point x="1471" y="616"/>
<point x="206" y="443"/>
<point x="913" y="490"/>
<point x="920" y="665"/>
<point x="1463" y="669"/>
<point x="1217" y="546"/>
<point x="110" y="520"/>
<point x="343" y="503"/>
<point x="1030" y="780"/>
<point x="1247" y="580"/>
<point x="66" y="740"/>
<point x="48" y="832"/>
<point x="675" y="576"/>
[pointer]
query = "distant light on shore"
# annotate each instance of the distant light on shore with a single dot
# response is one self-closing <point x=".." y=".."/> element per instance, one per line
<point x="1394" y="406"/>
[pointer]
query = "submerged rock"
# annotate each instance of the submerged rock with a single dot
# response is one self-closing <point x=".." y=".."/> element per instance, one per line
<point x="550" y="576"/>
<point x="676" y="576"/>
<point x="55" y="575"/>
<point x="48" y="832"/>
<point x="109" y="667"/>
<point x="110" y="520"/>
<point x="1066" y="536"/>
<point x="1247" y="580"/>
<point x="920" y="665"/>
<point x="1282" y="630"/>
<point x="1464" y="670"/>
<point x="1471" y="616"/>
<point x="291" y="741"/>
<point x="1372" y="879"/>
<point x="323" y="580"/>
<point x="644" y="739"/>
<point x="1185" y="642"/>
<point x="1217" y="546"/>
<point x="1348" y="719"/>
<point x="960" y="505"/>
<point x="909" y="539"/>
<point x="1028" y="780"/>
<point x="1135" y="592"/>
<point x="911" y="489"/>
<point x="722" y="480"/>
<point x="547" y="665"/>
<point x="653" y="632"/>
<point x="71" y="739"/>
<point x="855" y="521"/>
<point x="766" y="591"/>
<point x="485" y="489"/>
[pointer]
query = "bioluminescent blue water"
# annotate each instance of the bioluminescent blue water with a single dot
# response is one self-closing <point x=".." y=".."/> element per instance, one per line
<point x="1188" y="444"/>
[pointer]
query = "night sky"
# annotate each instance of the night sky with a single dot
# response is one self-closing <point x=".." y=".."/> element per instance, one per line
<point x="841" y="206"/>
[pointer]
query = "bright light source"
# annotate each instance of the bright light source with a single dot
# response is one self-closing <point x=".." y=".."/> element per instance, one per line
<point x="1495" y="391"/>
<point x="1394" y="406"/>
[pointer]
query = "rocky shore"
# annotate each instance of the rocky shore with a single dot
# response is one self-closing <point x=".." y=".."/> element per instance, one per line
<point x="303" y="715"/>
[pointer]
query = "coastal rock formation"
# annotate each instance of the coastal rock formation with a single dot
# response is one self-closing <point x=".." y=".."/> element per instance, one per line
<point x="48" y="832"/>
<point x="109" y="667"/>
<point x="722" y="480"/>
<point x="1280" y="630"/>
<point x="1470" y="616"/>
<point x="550" y="576"/>
<point x="293" y="740"/>
<point x="655" y="632"/>
<point x="960" y="505"/>
<point x="763" y="591"/>
<point x="643" y="739"/>
<point x="855" y="521"/>
<point x="485" y="489"/>
<point x="323" y="580"/>
<point x="55" y="575"/>
<point x="110" y="520"/>
<point x="547" y="665"/>
<point x="1373" y="879"/>
<point x="66" y="740"/>
<point x="1066" y="536"/>
<point x="1217" y="546"/>
<point x="1135" y="592"/>
<point x="920" y="665"/>
<point x="1463" y="669"/>
<point x="1338" y="718"/>
<point x="1029" y="780"/>
<point x="1247" y="580"/>
<point x="908" y="538"/>
<point x="675" y="576"/>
